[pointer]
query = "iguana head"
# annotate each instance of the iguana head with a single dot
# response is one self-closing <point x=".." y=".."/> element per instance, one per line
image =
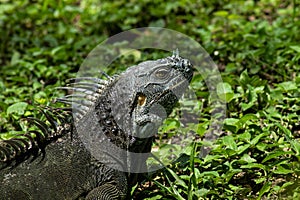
<point x="145" y="94"/>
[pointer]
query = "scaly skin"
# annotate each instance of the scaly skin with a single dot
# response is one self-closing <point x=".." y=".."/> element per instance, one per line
<point x="121" y="114"/>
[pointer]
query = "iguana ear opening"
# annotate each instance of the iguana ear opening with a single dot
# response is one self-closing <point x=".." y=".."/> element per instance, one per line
<point x="141" y="100"/>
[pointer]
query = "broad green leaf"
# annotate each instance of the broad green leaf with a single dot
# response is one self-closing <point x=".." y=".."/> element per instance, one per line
<point x="276" y="155"/>
<point x="246" y="106"/>
<point x="170" y="124"/>
<point x="254" y="165"/>
<point x="264" y="189"/>
<point x="281" y="170"/>
<point x="296" y="48"/>
<point x="255" y="140"/>
<point x="243" y="148"/>
<point x="288" y="86"/>
<point x="18" y="108"/>
<point x="210" y="173"/>
<point x="247" y="117"/>
<point x="15" y="58"/>
<point x="229" y="142"/>
<point x="210" y="158"/>
<point x="231" y="124"/>
<point x="287" y="184"/>
<point x="247" y="158"/>
<point x="245" y="136"/>
<point x="230" y="173"/>
<point x="201" y="192"/>
<point x="260" y="180"/>
<point x="225" y="92"/>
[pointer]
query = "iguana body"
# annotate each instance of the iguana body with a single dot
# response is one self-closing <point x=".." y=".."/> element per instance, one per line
<point x="120" y="114"/>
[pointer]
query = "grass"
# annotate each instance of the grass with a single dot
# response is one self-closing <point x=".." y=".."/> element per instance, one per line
<point x="255" y="45"/>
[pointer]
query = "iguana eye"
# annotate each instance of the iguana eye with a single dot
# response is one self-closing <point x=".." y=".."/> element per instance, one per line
<point x="162" y="73"/>
<point x="141" y="100"/>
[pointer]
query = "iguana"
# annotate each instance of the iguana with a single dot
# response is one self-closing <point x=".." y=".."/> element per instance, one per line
<point x="123" y="111"/>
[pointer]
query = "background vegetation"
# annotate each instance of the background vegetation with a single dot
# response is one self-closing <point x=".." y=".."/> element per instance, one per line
<point x="255" y="44"/>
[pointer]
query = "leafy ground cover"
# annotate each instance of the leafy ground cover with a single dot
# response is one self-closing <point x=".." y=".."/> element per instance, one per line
<point x="255" y="45"/>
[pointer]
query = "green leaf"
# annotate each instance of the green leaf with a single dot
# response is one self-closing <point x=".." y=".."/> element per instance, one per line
<point x="221" y="13"/>
<point x="288" y="86"/>
<point x="264" y="189"/>
<point x="261" y="146"/>
<point x="170" y="124"/>
<point x="210" y="173"/>
<point x="209" y="158"/>
<point x="255" y="140"/>
<point x="230" y="173"/>
<point x="247" y="158"/>
<point x="156" y="197"/>
<point x="246" y="118"/>
<point x="244" y="79"/>
<point x="225" y="92"/>
<point x="201" y="192"/>
<point x="245" y="136"/>
<point x="296" y="48"/>
<point x="229" y="142"/>
<point x="18" y="108"/>
<point x="231" y="124"/>
<point x="260" y="180"/>
<point x="296" y="146"/>
<point x="243" y="148"/>
<point x="281" y="170"/>
<point x="288" y="135"/>
<point x="133" y="189"/>
<point x="254" y="165"/>
<point x="276" y="155"/>
<point x="287" y="184"/>
<point x="15" y="58"/>
<point x="246" y="106"/>
<point x="179" y="181"/>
